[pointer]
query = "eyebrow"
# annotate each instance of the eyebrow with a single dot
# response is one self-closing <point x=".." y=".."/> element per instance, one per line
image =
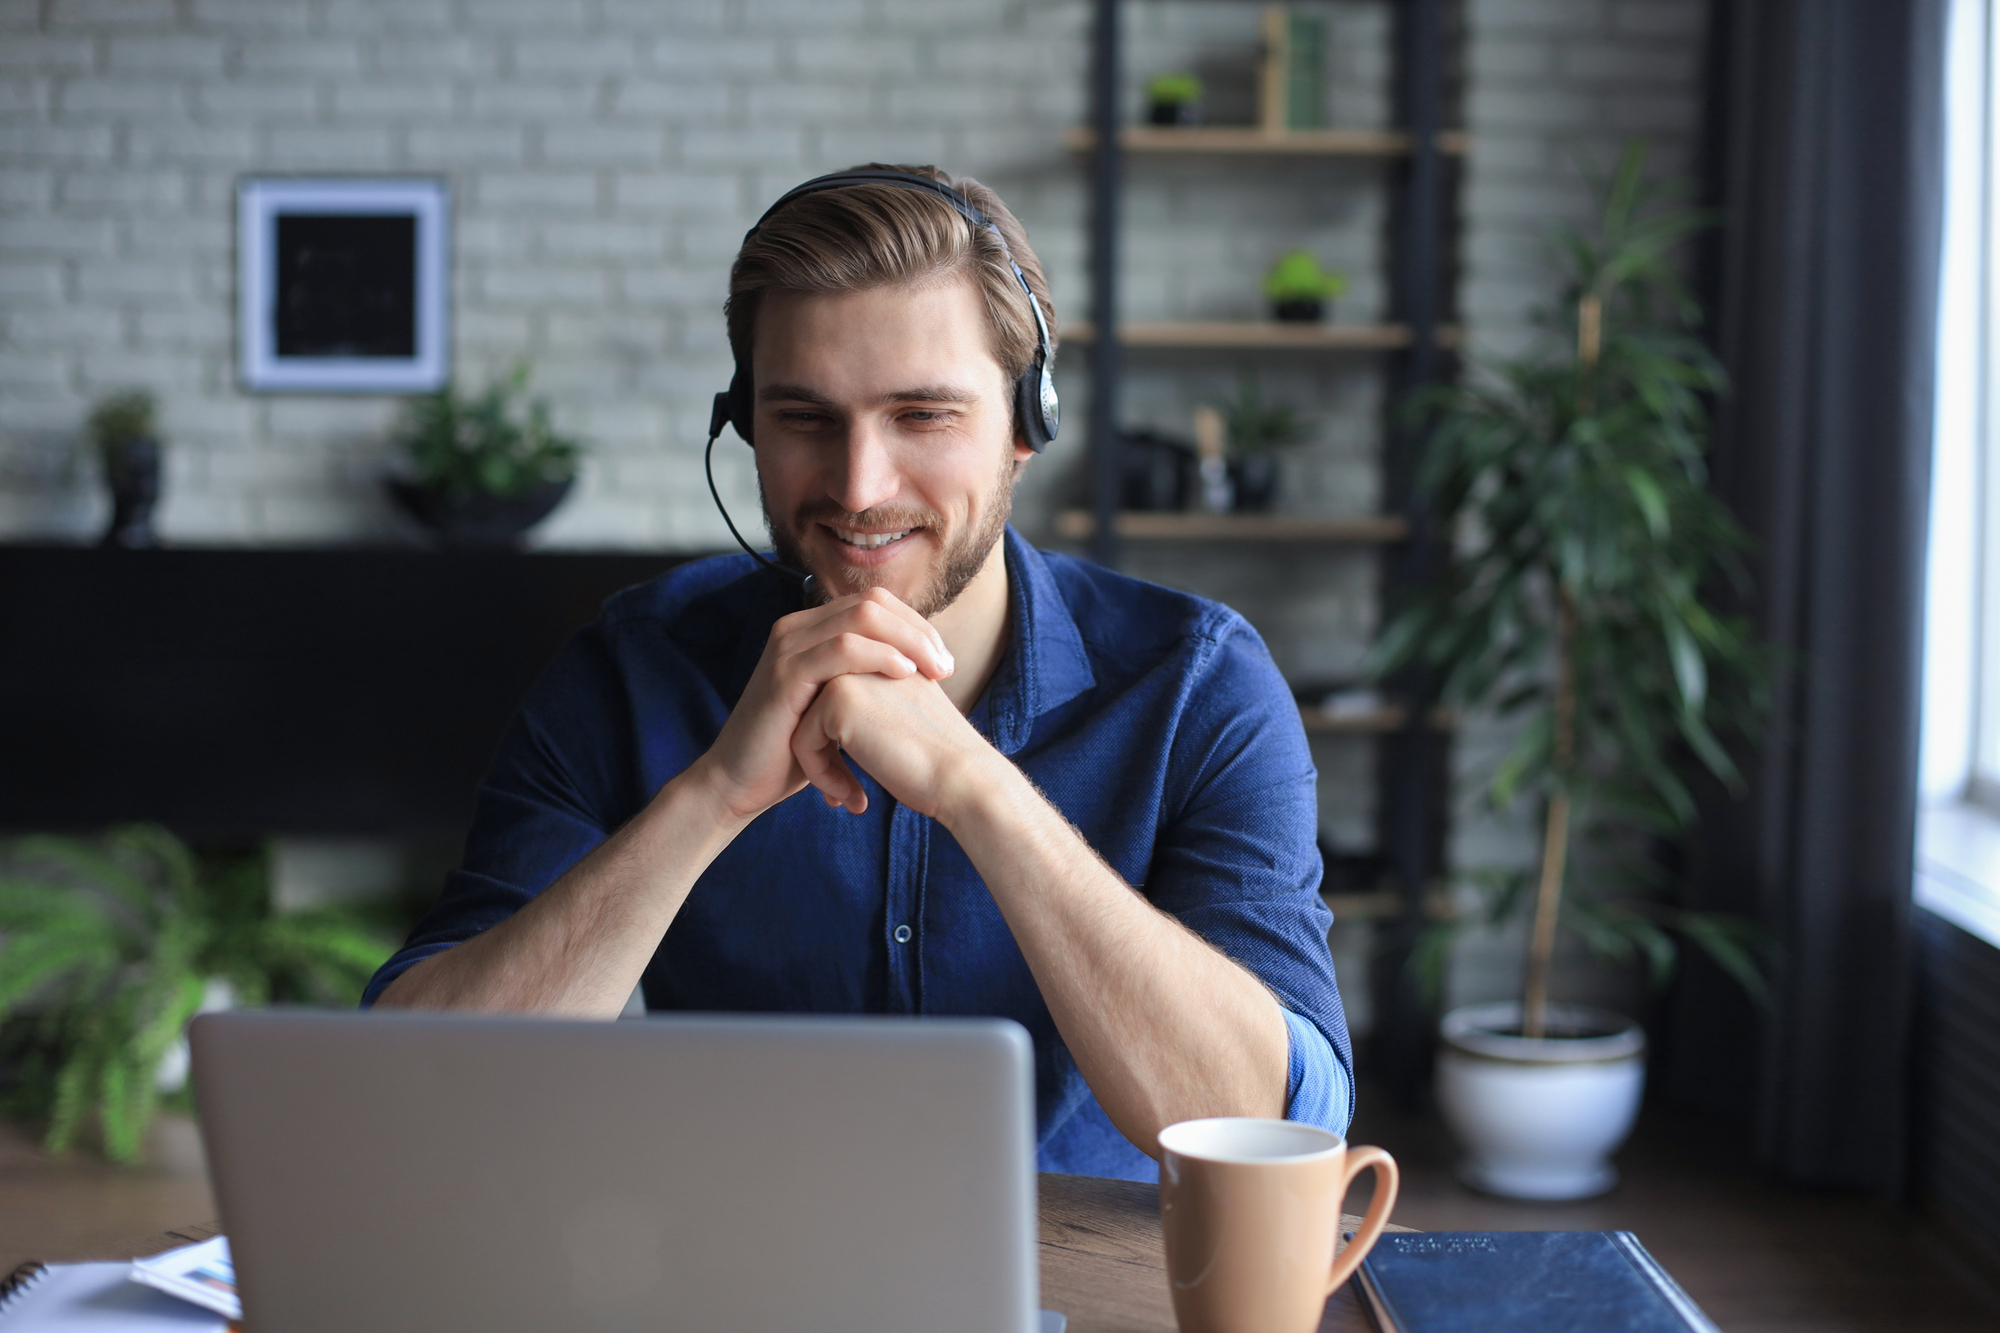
<point x="923" y="393"/>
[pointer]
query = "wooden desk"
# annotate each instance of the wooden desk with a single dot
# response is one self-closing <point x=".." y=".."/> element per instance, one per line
<point x="1101" y="1259"/>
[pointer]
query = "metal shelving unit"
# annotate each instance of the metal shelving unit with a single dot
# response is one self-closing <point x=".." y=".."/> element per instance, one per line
<point x="1252" y="139"/>
<point x="1415" y="343"/>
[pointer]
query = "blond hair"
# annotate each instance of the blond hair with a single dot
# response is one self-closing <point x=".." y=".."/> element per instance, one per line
<point x="858" y="237"/>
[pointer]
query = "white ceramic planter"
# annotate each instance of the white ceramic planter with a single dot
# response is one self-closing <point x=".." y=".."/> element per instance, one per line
<point x="1540" y="1119"/>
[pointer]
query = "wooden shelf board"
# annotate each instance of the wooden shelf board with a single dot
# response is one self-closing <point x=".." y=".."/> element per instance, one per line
<point x="1383" y="905"/>
<point x="1078" y="524"/>
<point x="1271" y="335"/>
<point x="1388" y="717"/>
<point x="1363" y="906"/>
<point x="1252" y="139"/>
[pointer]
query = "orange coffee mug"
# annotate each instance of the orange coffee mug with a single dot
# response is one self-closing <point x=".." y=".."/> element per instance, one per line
<point x="1251" y="1213"/>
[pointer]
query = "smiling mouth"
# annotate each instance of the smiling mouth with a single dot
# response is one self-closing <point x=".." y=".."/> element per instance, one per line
<point x="868" y="541"/>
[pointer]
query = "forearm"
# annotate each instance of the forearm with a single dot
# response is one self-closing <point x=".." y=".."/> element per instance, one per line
<point x="1161" y="1024"/>
<point x="579" y="947"/>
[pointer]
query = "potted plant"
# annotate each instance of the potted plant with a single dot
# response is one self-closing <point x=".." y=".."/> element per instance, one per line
<point x="109" y="947"/>
<point x="482" y="471"/>
<point x="1579" y="603"/>
<point x="1257" y="430"/>
<point x="127" y="439"/>
<point x="1298" y="288"/>
<point x="1173" y="99"/>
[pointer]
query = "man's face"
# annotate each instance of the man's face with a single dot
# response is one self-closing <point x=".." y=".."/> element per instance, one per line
<point x="885" y="449"/>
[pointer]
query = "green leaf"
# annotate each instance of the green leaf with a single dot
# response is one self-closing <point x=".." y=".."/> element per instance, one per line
<point x="1429" y="956"/>
<point x="1731" y="942"/>
<point x="118" y="1108"/>
<point x="1528" y="756"/>
<point x="89" y="865"/>
<point x="31" y="961"/>
<point x="1651" y="503"/>
<point x="71" y="1103"/>
<point x="1690" y="671"/>
<point x="24" y="905"/>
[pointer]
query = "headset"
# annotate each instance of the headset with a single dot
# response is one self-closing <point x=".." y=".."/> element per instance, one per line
<point x="1036" y="408"/>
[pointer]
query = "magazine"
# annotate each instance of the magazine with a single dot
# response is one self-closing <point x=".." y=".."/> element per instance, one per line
<point x="201" y="1273"/>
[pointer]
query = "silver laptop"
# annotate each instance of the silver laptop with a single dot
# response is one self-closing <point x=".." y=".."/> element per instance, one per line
<point x="390" y="1172"/>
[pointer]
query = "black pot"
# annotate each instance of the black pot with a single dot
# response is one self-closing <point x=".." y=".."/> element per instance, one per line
<point x="1255" y="479"/>
<point x="477" y="518"/>
<point x="132" y="470"/>
<point x="1174" y="113"/>
<point x="1155" y="472"/>
<point x="1299" y="310"/>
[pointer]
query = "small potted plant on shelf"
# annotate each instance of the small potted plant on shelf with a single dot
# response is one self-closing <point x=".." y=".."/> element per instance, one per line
<point x="1256" y="431"/>
<point x="1580" y="604"/>
<point x="109" y="946"/>
<point x="482" y="471"/>
<point x="1173" y="99"/>
<point x="124" y="430"/>
<point x="1299" y="289"/>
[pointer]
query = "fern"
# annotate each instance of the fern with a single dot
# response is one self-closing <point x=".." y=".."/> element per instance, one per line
<point x="106" y="948"/>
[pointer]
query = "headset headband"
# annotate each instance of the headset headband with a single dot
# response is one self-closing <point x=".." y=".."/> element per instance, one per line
<point x="1036" y="408"/>
<point x="907" y="180"/>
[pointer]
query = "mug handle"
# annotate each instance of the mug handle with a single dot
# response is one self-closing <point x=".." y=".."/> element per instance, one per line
<point x="1386" y="1180"/>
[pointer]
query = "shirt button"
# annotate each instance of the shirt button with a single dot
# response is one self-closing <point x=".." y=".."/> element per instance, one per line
<point x="902" y="934"/>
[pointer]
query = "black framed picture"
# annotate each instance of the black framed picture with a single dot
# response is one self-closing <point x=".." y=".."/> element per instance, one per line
<point x="342" y="285"/>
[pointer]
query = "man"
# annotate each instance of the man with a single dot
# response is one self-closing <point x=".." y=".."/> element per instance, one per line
<point x="1001" y="745"/>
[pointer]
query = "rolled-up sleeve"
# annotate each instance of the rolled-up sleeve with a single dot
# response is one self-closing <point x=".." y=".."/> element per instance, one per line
<point x="1317" y="1090"/>
<point x="1238" y="861"/>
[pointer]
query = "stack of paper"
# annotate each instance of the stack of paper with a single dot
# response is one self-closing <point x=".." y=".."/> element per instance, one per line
<point x="109" y="1298"/>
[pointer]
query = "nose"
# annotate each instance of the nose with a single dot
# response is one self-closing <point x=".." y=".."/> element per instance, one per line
<point x="863" y="474"/>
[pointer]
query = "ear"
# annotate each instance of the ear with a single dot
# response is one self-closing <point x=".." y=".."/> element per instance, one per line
<point x="1022" y="451"/>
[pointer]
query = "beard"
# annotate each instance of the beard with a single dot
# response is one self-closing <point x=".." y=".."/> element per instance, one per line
<point x="952" y="569"/>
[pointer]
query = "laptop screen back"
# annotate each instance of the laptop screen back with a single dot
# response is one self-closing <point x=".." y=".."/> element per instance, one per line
<point x="402" y="1172"/>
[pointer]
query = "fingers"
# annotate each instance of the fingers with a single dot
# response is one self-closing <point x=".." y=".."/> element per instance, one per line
<point x="848" y="654"/>
<point x="872" y="634"/>
<point x="818" y="757"/>
<point x="875" y="614"/>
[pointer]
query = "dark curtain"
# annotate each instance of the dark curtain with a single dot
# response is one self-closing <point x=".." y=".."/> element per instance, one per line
<point x="1827" y="141"/>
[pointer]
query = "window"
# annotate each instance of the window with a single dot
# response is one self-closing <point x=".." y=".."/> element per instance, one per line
<point x="1958" y="840"/>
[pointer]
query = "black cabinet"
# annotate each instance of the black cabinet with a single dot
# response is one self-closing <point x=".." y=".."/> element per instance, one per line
<point x="241" y="693"/>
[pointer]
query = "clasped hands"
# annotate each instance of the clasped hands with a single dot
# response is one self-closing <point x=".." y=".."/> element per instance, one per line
<point x="859" y="675"/>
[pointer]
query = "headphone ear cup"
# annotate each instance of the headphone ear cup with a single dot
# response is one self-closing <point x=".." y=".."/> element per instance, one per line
<point x="1050" y="405"/>
<point x="740" y="405"/>
<point x="1035" y="406"/>
<point x="1028" y="408"/>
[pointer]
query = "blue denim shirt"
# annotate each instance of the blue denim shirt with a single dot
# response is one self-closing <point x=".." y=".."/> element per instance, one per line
<point x="1154" y="720"/>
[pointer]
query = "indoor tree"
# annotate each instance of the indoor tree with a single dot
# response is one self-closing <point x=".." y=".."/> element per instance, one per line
<point x="1582" y="599"/>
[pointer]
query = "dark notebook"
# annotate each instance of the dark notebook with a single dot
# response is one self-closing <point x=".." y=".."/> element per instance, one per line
<point x="1525" y="1281"/>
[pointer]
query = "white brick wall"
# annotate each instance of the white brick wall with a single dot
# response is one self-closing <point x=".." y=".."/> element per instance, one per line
<point x="605" y="156"/>
<point x="1550" y="82"/>
<point x="604" y="159"/>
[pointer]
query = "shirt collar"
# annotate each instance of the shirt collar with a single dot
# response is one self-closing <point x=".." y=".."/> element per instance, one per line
<point x="1045" y="665"/>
